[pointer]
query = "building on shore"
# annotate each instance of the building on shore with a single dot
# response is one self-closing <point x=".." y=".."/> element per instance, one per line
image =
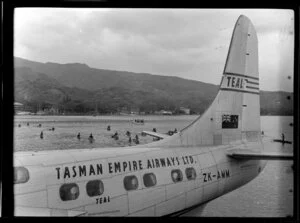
<point x="18" y="107"/>
<point x="128" y="110"/>
<point x="186" y="111"/>
<point x="51" y="111"/>
<point x="163" y="112"/>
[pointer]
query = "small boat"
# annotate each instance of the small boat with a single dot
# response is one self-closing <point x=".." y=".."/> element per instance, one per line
<point x="138" y="121"/>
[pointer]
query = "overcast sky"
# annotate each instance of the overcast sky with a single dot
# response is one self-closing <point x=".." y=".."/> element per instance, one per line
<point x="189" y="43"/>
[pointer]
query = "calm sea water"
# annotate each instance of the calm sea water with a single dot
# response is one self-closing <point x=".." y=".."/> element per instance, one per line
<point x="268" y="195"/>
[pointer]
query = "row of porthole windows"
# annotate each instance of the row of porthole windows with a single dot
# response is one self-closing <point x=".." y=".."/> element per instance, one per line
<point x="70" y="191"/>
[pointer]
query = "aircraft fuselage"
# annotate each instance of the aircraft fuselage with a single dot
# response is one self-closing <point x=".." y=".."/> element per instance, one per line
<point x="200" y="175"/>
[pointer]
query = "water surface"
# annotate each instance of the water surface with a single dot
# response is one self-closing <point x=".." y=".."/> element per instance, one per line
<point x="268" y="195"/>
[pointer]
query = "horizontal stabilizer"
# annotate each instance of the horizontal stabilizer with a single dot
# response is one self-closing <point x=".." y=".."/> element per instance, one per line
<point x="258" y="155"/>
<point x="155" y="134"/>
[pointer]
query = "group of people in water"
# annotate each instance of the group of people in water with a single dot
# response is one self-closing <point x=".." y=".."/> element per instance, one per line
<point x="42" y="134"/>
<point x="114" y="136"/>
<point x="128" y="134"/>
<point x="141" y="121"/>
<point x="91" y="137"/>
<point x="170" y="132"/>
<point x="135" y="140"/>
<point x="39" y="126"/>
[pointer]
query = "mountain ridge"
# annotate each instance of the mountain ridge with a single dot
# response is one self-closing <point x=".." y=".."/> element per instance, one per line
<point x="55" y="83"/>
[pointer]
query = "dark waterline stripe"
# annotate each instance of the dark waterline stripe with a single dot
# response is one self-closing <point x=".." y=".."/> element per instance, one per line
<point x="250" y="82"/>
<point x="250" y="92"/>
<point x="255" y="88"/>
<point x="242" y="75"/>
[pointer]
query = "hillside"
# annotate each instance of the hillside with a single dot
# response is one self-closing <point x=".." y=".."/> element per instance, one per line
<point x="81" y="89"/>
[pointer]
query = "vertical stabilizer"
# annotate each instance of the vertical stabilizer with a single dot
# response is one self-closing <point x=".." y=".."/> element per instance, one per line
<point x="241" y="72"/>
<point x="242" y="58"/>
<point x="234" y="115"/>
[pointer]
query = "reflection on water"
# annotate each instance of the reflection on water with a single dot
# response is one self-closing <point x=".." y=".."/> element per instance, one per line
<point x="268" y="195"/>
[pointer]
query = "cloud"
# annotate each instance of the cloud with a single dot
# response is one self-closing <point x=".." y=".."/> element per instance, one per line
<point x="191" y="43"/>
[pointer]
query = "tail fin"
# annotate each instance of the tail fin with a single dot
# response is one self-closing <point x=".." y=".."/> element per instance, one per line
<point x="241" y="75"/>
<point x="234" y="115"/>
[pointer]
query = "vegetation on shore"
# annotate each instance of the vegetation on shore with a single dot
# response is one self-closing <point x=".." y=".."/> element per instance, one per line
<point x="79" y="89"/>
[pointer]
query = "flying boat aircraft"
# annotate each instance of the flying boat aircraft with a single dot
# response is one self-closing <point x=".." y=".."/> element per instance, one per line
<point x="220" y="151"/>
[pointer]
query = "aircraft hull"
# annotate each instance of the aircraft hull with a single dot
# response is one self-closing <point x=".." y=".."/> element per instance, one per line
<point x="216" y="174"/>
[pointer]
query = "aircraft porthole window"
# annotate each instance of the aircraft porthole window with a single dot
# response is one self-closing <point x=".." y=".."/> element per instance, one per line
<point x="190" y="173"/>
<point x="176" y="175"/>
<point x="94" y="188"/>
<point x="131" y="182"/>
<point x="21" y="175"/>
<point x="69" y="192"/>
<point x="149" y="179"/>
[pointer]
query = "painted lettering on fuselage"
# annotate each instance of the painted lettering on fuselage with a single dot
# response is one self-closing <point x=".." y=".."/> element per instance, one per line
<point x="102" y="200"/>
<point x="118" y="167"/>
<point x="121" y="166"/>
<point x="223" y="174"/>
<point x="209" y="176"/>
<point x="79" y="171"/>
